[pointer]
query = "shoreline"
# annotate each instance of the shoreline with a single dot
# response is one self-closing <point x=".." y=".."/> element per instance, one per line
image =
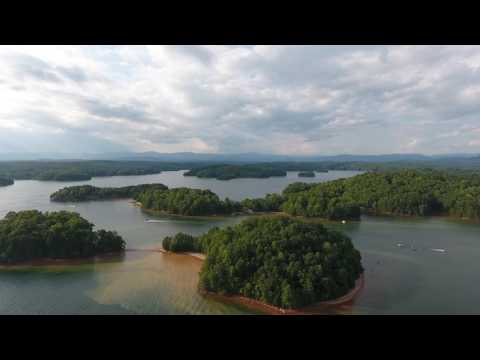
<point x="179" y="216"/>
<point x="313" y="309"/>
<point x="281" y="213"/>
<point x="103" y="258"/>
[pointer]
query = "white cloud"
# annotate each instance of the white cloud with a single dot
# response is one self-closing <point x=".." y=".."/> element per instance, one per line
<point x="278" y="99"/>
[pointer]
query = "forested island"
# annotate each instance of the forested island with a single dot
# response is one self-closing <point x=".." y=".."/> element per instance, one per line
<point x="32" y="235"/>
<point x="278" y="260"/>
<point x="185" y="201"/>
<point x="157" y="197"/>
<point x="92" y="193"/>
<point x="177" y="201"/>
<point x="228" y="172"/>
<point x="182" y="242"/>
<point x="306" y="174"/>
<point x="81" y="170"/>
<point x="5" y="181"/>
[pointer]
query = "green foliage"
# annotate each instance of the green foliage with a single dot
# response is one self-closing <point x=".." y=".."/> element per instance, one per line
<point x="185" y="201"/>
<point x="90" y="193"/>
<point x="297" y="187"/>
<point x="271" y="202"/>
<point x="325" y="200"/>
<point x="181" y="242"/>
<point x="5" y="181"/>
<point x="81" y="170"/>
<point x="28" y="235"/>
<point x="279" y="260"/>
<point x="400" y="192"/>
<point x="108" y="241"/>
<point x="306" y="174"/>
<point x="227" y="172"/>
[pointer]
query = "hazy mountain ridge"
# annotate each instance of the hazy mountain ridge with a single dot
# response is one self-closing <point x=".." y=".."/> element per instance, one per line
<point x="240" y="157"/>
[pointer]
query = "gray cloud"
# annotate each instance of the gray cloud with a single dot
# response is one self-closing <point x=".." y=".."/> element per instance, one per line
<point x="197" y="52"/>
<point x="73" y="73"/>
<point x="29" y="66"/>
<point x="299" y="99"/>
<point x="26" y="66"/>
<point x="128" y="112"/>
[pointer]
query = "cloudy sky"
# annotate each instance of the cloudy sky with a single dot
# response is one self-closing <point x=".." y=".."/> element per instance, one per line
<point x="231" y="99"/>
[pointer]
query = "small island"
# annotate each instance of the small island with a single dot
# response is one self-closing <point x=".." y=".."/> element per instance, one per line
<point x="181" y="242"/>
<point x="33" y="235"/>
<point x="4" y="181"/>
<point x="228" y="172"/>
<point x="306" y="174"/>
<point x="279" y="261"/>
<point x="93" y="193"/>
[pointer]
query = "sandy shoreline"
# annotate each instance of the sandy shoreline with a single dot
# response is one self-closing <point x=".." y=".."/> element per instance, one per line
<point x="78" y="261"/>
<point x="274" y="310"/>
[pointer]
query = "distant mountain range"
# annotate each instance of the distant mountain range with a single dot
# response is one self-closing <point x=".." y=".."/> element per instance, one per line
<point x="232" y="158"/>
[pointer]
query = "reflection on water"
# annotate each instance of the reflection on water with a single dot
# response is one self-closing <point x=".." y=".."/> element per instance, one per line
<point x="406" y="279"/>
<point x="157" y="284"/>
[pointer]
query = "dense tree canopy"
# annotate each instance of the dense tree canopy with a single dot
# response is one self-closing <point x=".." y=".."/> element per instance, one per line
<point x="271" y="202"/>
<point x="31" y="234"/>
<point x="323" y="200"/>
<point x="401" y="192"/>
<point x="306" y="174"/>
<point x="5" y="181"/>
<point x="185" y="201"/>
<point x="89" y="193"/>
<point x="227" y="172"/>
<point x="181" y="242"/>
<point x="82" y="170"/>
<point x="279" y="260"/>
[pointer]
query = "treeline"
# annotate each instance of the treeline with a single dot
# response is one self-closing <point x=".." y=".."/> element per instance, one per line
<point x="29" y="235"/>
<point x="402" y="192"/>
<point x="86" y="169"/>
<point x="181" y="242"/>
<point x="227" y="172"/>
<point x="91" y="193"/>
<point x="280" y="261"/>
<point x="306" y="174"/>
<point x="269" y="203"/>
<point x="81" y="170"/>
<point x="5" y="181"/>
<point x="185" y="201"/>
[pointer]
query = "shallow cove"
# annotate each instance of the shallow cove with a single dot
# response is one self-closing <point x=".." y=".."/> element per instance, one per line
<point x="409" y="279"/>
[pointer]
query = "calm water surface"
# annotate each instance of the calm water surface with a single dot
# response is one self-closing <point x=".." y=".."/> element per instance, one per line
<point x="403" y="274"/>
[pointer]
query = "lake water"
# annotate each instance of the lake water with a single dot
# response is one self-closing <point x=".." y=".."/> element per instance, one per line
<point x="403" y="274"/>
